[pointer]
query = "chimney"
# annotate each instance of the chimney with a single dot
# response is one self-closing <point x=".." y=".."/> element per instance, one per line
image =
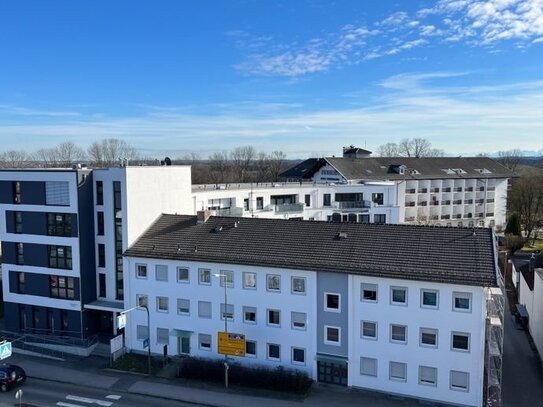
<point x="203" y="216"/>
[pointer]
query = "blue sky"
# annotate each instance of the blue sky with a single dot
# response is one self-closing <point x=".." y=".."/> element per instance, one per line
<point x="304" y="77"/>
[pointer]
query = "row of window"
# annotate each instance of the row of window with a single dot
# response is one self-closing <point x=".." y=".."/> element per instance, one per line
<point x="249" y="279"/>
<point x="59" y="257"/>
<point x="59" y="286"/>
<point x="427" y="375"/>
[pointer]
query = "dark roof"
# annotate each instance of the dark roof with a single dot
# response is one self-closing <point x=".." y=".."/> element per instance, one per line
<point x="302" y="170"/>
<point x="426" y="168"/>
<point x="439" y="254"/>
<point x="527" y="269"/>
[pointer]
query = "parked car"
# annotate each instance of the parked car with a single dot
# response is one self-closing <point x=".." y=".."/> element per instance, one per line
<point x="11" y="376"/>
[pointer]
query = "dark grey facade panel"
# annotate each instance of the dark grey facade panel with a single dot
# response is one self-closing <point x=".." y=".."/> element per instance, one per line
<point x="6" y="192"/>
<point x="33" y="192"/>
<point x="85" y="225"/>
<point x="35" y="223"/>
<point x="8" y="252"/>
<point x="34" y="254"/>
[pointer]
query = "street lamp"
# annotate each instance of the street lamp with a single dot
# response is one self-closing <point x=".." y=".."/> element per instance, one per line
<point x="223" y="276"/>
<point x="148" y="332"/>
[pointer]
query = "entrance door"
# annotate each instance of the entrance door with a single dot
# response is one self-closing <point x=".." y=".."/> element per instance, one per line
<point x="183" y="345"/>
<point x="331" y="372"/>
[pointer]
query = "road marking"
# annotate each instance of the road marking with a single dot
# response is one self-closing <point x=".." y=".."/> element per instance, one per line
<point x="63" y="404"/>
<point x="113" y="397"/>
<point x="89" y="400"/>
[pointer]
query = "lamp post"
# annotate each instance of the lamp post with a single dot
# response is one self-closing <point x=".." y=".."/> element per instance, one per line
<point x="148" y="333"/>
<point x="222" y="277"/>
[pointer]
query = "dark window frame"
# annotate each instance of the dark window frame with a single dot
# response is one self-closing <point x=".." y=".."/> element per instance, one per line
<point x="62" y="287"/>
<point x="60" y="257"/>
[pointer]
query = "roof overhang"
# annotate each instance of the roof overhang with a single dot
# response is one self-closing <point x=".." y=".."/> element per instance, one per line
<point x="103" y="305"/>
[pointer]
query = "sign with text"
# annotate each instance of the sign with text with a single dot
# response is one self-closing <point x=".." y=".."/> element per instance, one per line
<point x="121" y="321"/>
<point x="231" y="344"/>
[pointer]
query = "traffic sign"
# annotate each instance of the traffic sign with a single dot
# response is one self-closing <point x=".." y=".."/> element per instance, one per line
<point x="5" y="350"/>
<point x="231" y="344"/>
<point x="146" y="343"/>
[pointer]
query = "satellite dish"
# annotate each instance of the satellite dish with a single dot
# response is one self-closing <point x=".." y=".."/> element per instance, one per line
<point x="167" y="161"/>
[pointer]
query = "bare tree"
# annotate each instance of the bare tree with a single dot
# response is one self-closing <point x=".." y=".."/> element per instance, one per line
<point x="68" y="153"/>
<point x="415" y="147"/>
<point x="47" y="157"/>
<point x="109" y="151"/>
<point x="388" y="150"/>
<point x="242" y="158"/>
<point x="219" y="166"/>
<point x="510" y="158"/>
<point x="14" y="159"/>
<point x="262" y="167"/>
<point x="526" y="199"/>
<point x="276" y="164"/>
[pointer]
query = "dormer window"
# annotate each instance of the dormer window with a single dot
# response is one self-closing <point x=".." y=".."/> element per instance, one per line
<point x="448" y="171"/>
<point x="483" y="171"/>
<point x="459" y="171"/>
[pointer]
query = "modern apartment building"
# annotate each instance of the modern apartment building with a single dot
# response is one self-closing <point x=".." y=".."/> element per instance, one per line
<point x="403" y="309"/>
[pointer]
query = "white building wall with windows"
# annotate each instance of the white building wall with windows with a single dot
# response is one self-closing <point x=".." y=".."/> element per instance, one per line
<point x="197" y="322"/>
<point x="385" y="362"/>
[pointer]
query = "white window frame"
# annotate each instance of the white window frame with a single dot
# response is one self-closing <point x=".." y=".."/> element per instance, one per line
<point x="268" y="317"/>
<point x="273" y="278"/>
<point x="458" y="388"/>
<point x="296" y="362"/>
<point x="164" y="338"/>
<point x="329" y="342"/>
<point x="227" y="277"/>
<point x="159" y="271"/>
<point x="140" y="297"/>
<point x="425" y="382"/>
<point x="142" y="332"/>
<point x="395" y="288"/>
<point x="246" y="309"/>
<point x="371" y="364"/>
<point x="158" y="308"/>
<point x="428" y="290"/>
<point x="184" y="281"/>
<point x="292" y="321"/>
<point x="369" y="287"/>
<point x="140" y="267"/>
<point x="430" y="331"/>
<point x="372" y="338"/>
<point x="404" y="341"/>
<point x="205" y="316"/>
<point x="326" y="308"/>
<point x="202" y="271"/>
<point x="463" y="296"/>
<point x="224" y="308"/>
<point x="465" y="334"/>
<point x="391" y="369"/>
<point x="293" y="291"/>
<point x="246" y="275"/>
<point x="250" y="355"/>
<point x="202" y="341"/>
<point x="179" y="312"/>
<point x="268" y="347"/>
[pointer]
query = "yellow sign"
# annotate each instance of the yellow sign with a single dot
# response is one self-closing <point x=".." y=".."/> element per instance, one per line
<point x="231" y="344"/>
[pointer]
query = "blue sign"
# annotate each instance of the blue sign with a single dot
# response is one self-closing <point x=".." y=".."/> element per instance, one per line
<point x="145" y="343"/>
<point x="5" y="350"/>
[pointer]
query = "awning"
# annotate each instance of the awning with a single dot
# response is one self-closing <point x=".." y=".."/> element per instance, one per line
<point x="103" y="305"/>
<point x="180" y="333"/>
<point x="331" y="358"/>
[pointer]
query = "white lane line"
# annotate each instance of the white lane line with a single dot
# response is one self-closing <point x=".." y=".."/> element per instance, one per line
<point x="113" y="397"/>
<point x="63" y="404"/>
<point x="89" y="400"/>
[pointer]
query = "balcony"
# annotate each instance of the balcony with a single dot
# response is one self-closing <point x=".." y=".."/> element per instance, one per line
<point x="410" y="191"/>
<point x="434" y="190"/>
<point x="489" y="214"/>
<point x="457" y="202"/>
<point x="457" y="189"/>
<point x="289" y="208"/>
<point x="448" y="202"/>
<point x="480" y="189"/>
<point x="423" y="190"/>
<point x="434" y="203"/>
<point x="422" y="203"/>
<point x="469" y="189"/>
<point x="457" y="216"/>
<point x="491" y="200"/>
<point x="468" y="201"/>
<point x="233" y="212"/>
<point x="353" y="204"/>
<point x="411" y="203"/>
<point x="447" y="189"/>
<point x="479" y="201"/>
<point x="445" y="216"/>
<point x="479" y="215"/>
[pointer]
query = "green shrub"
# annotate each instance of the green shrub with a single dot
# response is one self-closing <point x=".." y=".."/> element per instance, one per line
<point x="513" y="225"/>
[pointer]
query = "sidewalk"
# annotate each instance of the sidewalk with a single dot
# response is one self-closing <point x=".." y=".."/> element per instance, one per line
<point x="91" y="372"/>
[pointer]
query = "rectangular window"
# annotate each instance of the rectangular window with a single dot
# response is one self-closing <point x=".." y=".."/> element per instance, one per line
<point x="249" y="280"/>
<point x="274" y="351"/>
<point x="18" y="218"/>
<point x="429" y="298"/>
<point x="182" y="275"/>
<point x="57" y="193"/>
<point x="163" y="336"/>
<point x="259" y="202"/>
<point x="20" y="283"/>
<point x="298" y="356"/>
<point x="249" y="315"/>
<point x="161" y="272"/>
<point x="16" y="192"/>
<point x="368" y="366"/>
<point x="162" y="304"/>
<point x="204" y="341"/>
<point x="380" y="218"/>
<point x="61" y="287"/>
<point x="462" y="302"/>
<point x="101" y="255"/>
<point x="246" y="204"/>
<point x="326" y="200"/>
<point x="428" y="337"/>
<point x="19" y="253"/>
<point x="204" y="309"/>
<point x="60" y="257"/>
<point x="227" y="311"/>
<point x="59" y="224"/>
<point x="273" y="282"/>
<point x="204" y="276"/>
<point x="142" y="332"/>
<point x="459" y="380"/>
<point x="364" y="218"/>
<point x="274" y="317"/>
<point x="141" y="270"/>
<point x="332" y="335"/>
<point x="460" y="341"/>
<point x="227" y="276"/>
<point x="100" y="223"/>
<point x="99" y="193"/>
<point x="183" y="306"/>
<point x="368" y="330"/>
<point x="250" y="348"/>
<point x="298" y="320"/>
<point x="332" y="302"/>
<point x="368" y="292"/>
<point x="142" y="300"/>
<point x="397" y="371"/>
<point x="428" y="375"/>
<point x="398" y="295"/>
<point x="101" y="285"/>
<point x="298" y="285"/>
<point x="307" y="200"/>
<point x="398" y="333"/>
<point x="377" y="198"/>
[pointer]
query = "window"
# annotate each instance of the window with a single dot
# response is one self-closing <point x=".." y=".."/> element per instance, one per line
<point x="332" y="335"/>
<point x="101" y="255"/>
<point x="227" y="311"/>
<point x="298" y="285"/>
<point x="259" y="202"/>
<point x="274" y="351"/>
<point x="379" y="218"/>
<point x="460" y="341"/>
<point x="364" y="218"/>
<point x="60" y="257"/>
<point x="298" y="356"/>
<point x="101" y="285"/>
<point x="274" y="317"/>
<point x="183" y="306"/>
<point x="428" y="375"/>
<point x="249" y="315"/>
<point x="141" y="270"/>
<point x="227" y="277"/>
<point x="162" y="336"/>
<point x="368" y="330"/>
<point x="249" y="280"/>
<point x="18" y="217"/>
<point x="250" y="348"/>
<point x="429" y="298"/>
<point x="204" y="276"/>
<point x="246" y="204"/>
<point x="398" y="333"/>
<point x="204" y="341"/>
<point x="368" y="292"/>
<point x="459" y="380"/>
<point x="307" y="200"/>
<point x="142" y="332"/>
<point x="326" y="200"/>
<point x="298" y="320"/>
<point x="20" y="283"/>
<point x="182" y="275"/>
<point x="204" y="309"/>
<point x="162" y="304"/>
<point x="161" y="272"/>
<point x="398" y="295"/>
<point x="61" y="287"/>
<point x="100" y="223"/>
<point x="368" y="366"/>
<point x="377" y="198"/>
<point x="332" y="302"/>
<point x="273" y="282"/>
<point x="141" y="300"/>
<point x="16" y="192"/>
<point x="57" y="193"/>
<point x="462" y="302"/>
<point x="19" y="253"/>
<point x="428" y="337"/>
<point x="99" y="193"/>
<point x="397" y="371"/>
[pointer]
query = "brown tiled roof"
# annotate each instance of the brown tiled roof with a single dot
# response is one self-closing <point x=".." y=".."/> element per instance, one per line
<point x="446" y="255"/>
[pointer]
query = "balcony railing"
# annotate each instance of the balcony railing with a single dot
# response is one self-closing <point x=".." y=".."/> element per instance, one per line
<point x="423" y="203"/>
<point x="479" y="215"/>
<point x="480" y="189"/>
<point x="291" y="207"/>
<point x="479" y="201"/>
<point x="469" y="189"/>
<point x="434" y="190"/>
<point x="458" y="189"/>
<point x="447" y="189"/>
<point x="235" y="212"/>
<point x="445" y="216"/>
<point x="491" y="200"/>
<point x="448" y="202"/>
<point x="423" y="190"/>
<point x="468" y="201"/>
<point x="457" y="216"/>
<point x="353" y="204"/>
<point x="490" y="214"/>
<point x="410" y="191"/>
<point x="434" y="203"/>
<point x="457" y="202"/>
<point x="411" y="203"/>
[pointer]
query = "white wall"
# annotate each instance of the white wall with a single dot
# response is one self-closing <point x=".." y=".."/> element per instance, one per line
<point x="536" y="316"/>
